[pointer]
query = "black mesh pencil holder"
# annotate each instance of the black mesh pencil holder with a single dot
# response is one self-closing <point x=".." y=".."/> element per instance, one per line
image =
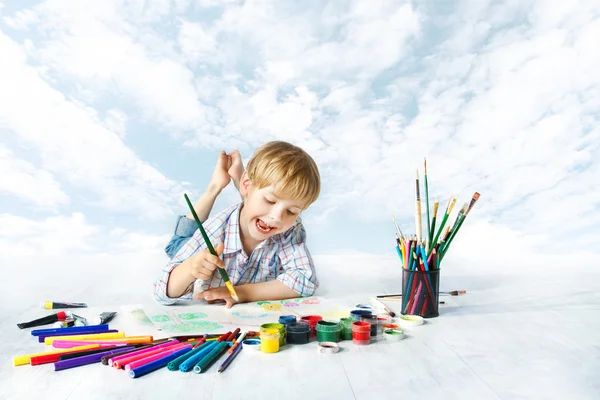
<point x="420" y="293"/>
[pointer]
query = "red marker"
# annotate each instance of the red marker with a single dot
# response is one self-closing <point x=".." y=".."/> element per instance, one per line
<point x="49" y="319"/>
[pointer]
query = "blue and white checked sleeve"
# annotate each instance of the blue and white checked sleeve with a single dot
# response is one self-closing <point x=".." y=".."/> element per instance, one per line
<point x="298" y="267"/>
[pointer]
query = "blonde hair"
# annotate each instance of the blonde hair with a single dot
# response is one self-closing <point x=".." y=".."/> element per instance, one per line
<point x="288" y="168"/>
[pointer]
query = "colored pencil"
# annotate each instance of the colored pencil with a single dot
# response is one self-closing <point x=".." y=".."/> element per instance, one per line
<point x="229" y="359"/>
<point x="222" y="271"/>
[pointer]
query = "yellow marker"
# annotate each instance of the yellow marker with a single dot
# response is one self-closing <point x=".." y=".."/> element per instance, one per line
<point x="128" y="340"/>
<point x="22" y="360"/>
<point x="111" y="335"/>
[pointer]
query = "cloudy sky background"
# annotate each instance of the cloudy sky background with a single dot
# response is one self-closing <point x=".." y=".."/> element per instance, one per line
<point x="110" y="110"/>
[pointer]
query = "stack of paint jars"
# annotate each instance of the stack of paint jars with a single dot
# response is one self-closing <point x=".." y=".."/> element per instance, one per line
<point x="328" y="331"/>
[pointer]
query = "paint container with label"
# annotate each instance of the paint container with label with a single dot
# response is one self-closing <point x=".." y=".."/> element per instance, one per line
<point x="361" y="332"/>
<point x="346" y="333"/>
<point x="269" y="340"/>
<point x="356" y="314"/>
<point x="312" y="322"/>
<point x="298" y="333"/>
<point x="371" y="319"/>
<point x="279" y="327"/>
<point x="328" y="331"/>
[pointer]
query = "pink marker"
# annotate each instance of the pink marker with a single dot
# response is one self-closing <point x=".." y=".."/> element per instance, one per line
<point x="154" y="357"/>
<point x="118" y="364"/>
<point x="158" y="346"/>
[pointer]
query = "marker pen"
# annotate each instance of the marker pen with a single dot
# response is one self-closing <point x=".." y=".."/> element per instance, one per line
<point x="48" y="319"/>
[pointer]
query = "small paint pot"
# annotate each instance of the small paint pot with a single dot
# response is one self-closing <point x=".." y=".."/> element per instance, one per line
<point x="346" y="333"/>
<point x="356" y="314"/>
<point x="382" y="319"/>
<point x="371" y="319"/>
<point x="361" y="332"/>
<point x="298" y="333"/>
<point x="269" y="340"/>
<point x="252" y="344"/>
<point x="279" y="327"/>
<point x="312" y="322"/>
<point x="393" y="334"/>
<point x="287" y="320"/>
<point x="389" y="326"/>
<point x="328" y="331"/>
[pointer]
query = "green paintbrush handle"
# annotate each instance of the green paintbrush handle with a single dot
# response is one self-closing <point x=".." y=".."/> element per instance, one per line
<point x="439" y="232"/>
<point x="206" y="239"/>
<point x="458" y="225"/>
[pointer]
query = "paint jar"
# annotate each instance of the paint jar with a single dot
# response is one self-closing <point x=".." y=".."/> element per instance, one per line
<point x="420" y="292"/>
<point x="279" y="327"/>
<point x="346" y="324"/>
<point x="381" y="320"/>
<point x="269" y="340"/>
<point x="328" y="331"/>
<point x="287" y="320"/>
<point x="389" y="326"/>
<point x="356" y="314"/>
<point x="312" y="322"/>
<point x="298" y="333"/>
<point x="361" y="332"/>
<point x="371" y="319"/>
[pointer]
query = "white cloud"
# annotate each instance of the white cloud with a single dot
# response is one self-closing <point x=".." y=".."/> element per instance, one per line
<point x="501" y="98"/>
<point x="61" y="235"/>
<point x="23" y="180"/>
<point x="72" y="143"/>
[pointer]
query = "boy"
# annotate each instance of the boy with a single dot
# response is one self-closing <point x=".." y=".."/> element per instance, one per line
<point x="261" y="242"/>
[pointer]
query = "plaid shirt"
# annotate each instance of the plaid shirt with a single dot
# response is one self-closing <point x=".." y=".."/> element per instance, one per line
<point x="283" y="256"/>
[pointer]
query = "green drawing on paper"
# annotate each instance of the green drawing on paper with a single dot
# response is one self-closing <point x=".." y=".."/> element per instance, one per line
<point x="193" y="326"/>
<point x="140" y="316"/>
<point x="161" y="318"/>
<point x="190" y="316"/>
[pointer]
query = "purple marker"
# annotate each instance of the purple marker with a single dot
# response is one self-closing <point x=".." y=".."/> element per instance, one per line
<point x="93" y="358"/>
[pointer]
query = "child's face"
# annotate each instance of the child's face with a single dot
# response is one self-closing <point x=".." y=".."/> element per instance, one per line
<point x="265" y="213"/>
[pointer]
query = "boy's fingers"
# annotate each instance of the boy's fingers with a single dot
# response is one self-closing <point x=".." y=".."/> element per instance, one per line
<point x="219" y="248"/>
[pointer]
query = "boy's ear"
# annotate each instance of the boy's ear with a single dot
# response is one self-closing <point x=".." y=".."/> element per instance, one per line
<point x="245" y="183"/>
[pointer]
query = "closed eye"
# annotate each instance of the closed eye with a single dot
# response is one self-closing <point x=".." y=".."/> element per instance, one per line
<point x="269" y="201"/>
<point x="290" y="212"/>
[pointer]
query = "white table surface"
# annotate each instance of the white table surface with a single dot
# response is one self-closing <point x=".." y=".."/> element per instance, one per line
<point x="522" y="335"/>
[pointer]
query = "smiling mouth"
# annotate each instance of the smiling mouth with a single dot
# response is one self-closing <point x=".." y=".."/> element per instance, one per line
<point x="263" y="227"/>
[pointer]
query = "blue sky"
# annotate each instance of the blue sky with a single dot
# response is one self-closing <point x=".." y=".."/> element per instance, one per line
<point x="110" y="111"/>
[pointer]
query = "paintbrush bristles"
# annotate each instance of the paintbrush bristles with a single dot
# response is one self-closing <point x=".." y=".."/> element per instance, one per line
<point x="451" y="206"/>
<point x="435" y="208"/>
<point x="473" y="200"/>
